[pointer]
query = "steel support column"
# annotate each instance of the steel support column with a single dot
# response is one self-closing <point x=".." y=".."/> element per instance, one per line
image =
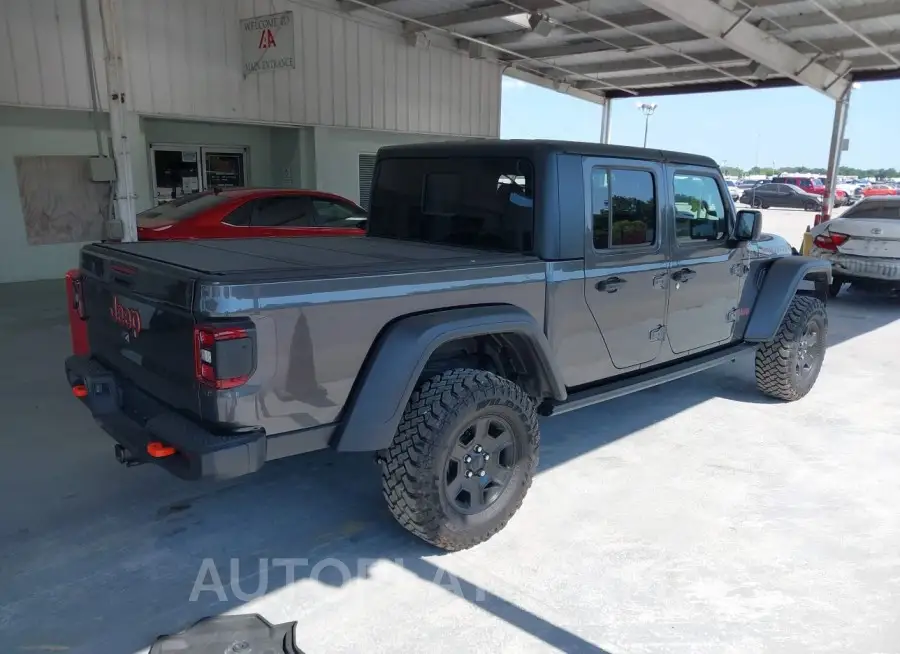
<point x="117" y="83"/>
<point x="607" y="117"/>
<point x="841" y="107"/>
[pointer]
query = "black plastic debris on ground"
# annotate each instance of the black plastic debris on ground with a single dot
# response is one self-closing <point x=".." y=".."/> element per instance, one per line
<point x="230" y="634"/>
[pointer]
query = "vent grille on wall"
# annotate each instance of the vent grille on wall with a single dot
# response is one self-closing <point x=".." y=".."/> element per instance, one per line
<point x="366" y="171"/>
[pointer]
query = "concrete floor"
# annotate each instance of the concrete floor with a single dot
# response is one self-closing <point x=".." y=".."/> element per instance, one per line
<point x="694" y="517"/>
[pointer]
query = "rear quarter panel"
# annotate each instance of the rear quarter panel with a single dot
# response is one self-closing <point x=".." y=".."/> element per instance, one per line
<point x="313" y="336"/>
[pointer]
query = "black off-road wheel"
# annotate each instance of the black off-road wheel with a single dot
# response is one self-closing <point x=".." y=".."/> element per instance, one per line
<point x="463" y="458"/>
<point x="787" y="367"/>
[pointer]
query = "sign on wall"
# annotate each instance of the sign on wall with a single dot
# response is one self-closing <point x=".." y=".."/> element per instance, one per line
<point x="267" y="42"/>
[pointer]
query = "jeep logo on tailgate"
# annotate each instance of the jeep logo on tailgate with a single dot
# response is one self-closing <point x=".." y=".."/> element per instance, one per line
<point x="125" y="317"/>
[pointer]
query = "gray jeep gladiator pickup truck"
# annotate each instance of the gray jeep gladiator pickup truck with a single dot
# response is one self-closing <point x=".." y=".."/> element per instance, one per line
<point x="498" y="281"/>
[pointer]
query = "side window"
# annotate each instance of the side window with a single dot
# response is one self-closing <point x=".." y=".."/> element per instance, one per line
<point x="600" y="207"/>
<point x="623" y="205"/>
<point x="700" y="211"/>
<point x="283" y="212"/>
<point x="337" y="214"/>
<point x="240" y="217"/>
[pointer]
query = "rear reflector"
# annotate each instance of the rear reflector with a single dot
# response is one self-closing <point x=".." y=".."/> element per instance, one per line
<point x="80" y="390"/>
<point x="159" y="450"/>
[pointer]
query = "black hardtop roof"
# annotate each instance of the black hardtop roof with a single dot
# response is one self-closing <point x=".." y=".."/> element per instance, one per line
<point x="540" y="148"/>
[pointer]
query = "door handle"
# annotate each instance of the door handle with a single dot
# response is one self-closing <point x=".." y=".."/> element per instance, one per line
<point x="610" y="285"/>
<point x="684" y="275"/>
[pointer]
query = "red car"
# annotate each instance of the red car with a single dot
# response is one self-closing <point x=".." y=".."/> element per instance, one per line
<point x="252" y="212"/>
<point x="812" y="185"/>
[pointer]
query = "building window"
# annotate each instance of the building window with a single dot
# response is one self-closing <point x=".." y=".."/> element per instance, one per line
<point x="366" y="172"/>
<point x="623" y="204"/>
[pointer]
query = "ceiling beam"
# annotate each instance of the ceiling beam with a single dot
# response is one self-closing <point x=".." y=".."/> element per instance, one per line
<point x="594" y="94"/>
<point x="350" y="7"/>
<point x="629" y="19"/>
<point x="460" y="17"/>
<point x="717" y="23"/>
<point x="724" y="56"/>
<point x="680" y="34"/>
<point x="865" y="62"/>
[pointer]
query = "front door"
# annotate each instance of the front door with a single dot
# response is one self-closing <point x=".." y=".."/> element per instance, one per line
<point x="625" y="262"/>
<point x="704" y="279"/>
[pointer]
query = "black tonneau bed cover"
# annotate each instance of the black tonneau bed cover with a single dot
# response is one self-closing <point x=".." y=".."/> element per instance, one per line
<point x="313" y="257"/>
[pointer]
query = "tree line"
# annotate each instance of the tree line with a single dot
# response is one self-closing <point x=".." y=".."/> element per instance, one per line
<point x="845" y="171"/>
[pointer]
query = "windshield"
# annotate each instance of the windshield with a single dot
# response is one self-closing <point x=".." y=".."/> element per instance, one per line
<point x="484" y="203"/>
<point x="187" y="206"/>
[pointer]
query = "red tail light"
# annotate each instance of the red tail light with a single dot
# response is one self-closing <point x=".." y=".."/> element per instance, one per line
<point x="77" y="313"/>
<point x="830" y="241"/>
<point x="223" y="356"/>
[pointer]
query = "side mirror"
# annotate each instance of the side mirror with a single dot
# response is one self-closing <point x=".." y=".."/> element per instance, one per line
<point x="748" y="226"/>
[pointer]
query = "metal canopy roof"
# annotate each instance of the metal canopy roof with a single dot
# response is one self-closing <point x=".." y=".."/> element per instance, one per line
<point x="628" y="48"/>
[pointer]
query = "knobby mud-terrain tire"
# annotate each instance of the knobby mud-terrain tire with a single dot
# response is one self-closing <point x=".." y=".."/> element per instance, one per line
<point x="787" y="366"/>
<point x="450" y="417"/>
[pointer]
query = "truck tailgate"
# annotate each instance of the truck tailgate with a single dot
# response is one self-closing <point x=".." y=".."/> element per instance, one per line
<point x="139" y="323"/>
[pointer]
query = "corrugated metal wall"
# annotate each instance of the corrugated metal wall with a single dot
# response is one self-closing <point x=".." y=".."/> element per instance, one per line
<point x="184" y="60"/>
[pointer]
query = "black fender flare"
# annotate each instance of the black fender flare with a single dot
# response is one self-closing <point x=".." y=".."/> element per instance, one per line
<point x="779" y="286"/>
<point x="399" y="356"/>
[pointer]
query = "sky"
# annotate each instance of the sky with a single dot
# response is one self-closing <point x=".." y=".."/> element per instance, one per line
<point x="772" y="127"/>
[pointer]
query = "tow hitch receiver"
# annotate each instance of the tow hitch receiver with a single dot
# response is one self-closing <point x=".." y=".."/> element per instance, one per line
<point x="125" y="457"/>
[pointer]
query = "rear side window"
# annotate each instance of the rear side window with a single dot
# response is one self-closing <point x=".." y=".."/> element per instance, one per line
<point x="289" y="211"/>
<point x="869" y="209"/>
<point x="187" y="206"/>
<point x="484" y="203"/>
<point x="624" y="208"/>
<point x="700" y="211"/>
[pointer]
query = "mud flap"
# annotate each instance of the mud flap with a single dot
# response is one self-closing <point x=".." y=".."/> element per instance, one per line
<point x="230" y="634"/>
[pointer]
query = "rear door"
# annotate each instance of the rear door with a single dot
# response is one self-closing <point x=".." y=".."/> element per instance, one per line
<point x="625" y="257"/>
<point x="704" y="280"/>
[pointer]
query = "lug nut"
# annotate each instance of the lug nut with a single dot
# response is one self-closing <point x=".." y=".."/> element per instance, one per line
<point x="468" y="474"/>
<point x="481" y="473"/>
<point x="487" y="457"/>
<point x="479" y="449"/>
<point x="467" y="459"/>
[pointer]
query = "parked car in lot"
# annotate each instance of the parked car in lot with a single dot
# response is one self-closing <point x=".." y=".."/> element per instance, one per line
<point x="733" y="190"/>
<point x="497" y="282"/>
<point x="781" y="196"/>
<point x="812" y="185"/>
<point x="252" y="212"/>
<point x="878" y="190"/>
<point x="863" y="245"/>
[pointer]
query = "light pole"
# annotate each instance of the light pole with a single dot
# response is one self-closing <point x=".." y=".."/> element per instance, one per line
<point x="647" y="109"/>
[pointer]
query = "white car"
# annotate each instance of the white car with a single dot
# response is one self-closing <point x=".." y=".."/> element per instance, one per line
<point x="863" y="245"/>
<point x="733" y="189"/>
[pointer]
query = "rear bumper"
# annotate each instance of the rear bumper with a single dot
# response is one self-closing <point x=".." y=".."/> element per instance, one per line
<point x="135" y="419"/>
<point x="848" y="267"/>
